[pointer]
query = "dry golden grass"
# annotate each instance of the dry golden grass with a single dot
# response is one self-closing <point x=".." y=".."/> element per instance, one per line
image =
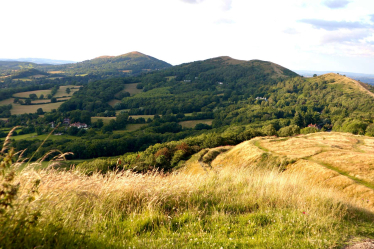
<point x="337" y="160"/>
<point x="7" y="101"/>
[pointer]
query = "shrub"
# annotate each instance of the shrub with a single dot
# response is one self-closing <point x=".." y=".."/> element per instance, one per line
<point x="289" y="131"/>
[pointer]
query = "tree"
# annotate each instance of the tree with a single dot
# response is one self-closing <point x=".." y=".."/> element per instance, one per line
<point x="27" y="101"/>
<point x="41" y="96"/>
<point x="67" y="90"/>
<point x="33" y="96"/>
<point x="53" y="100"/>
<point x="39" y="111"/>
<point x="314" y="75"/>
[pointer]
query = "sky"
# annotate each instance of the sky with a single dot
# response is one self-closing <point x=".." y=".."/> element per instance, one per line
<point x="323" y="35"/>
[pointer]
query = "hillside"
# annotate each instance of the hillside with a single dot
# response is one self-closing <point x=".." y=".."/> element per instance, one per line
<point x="263" y="193"/>
<point x="337" y="160"/>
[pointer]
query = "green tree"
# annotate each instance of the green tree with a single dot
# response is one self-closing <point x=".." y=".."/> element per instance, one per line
<point x="27" y="101"/>
<point x="67" y="90"/>
<point x="33" y="96"/>
<point x="53" y="100"/>
<point x="39" y="111"/>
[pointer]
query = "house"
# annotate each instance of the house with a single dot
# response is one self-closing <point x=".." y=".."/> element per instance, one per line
<point x="78" y="125"/>
<point x="187" y="81"/>
<point x="66" y="121"/>
<point x="261" y="98"/>
<point x="52" y="124"/>
<point x="220" y="83"/>
<point x="315" y="126"/>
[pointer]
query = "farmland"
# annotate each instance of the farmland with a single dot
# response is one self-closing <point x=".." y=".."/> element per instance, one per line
<point x="21" y="109"/>
<point x="27" y="94"/>
<point x="193" y="123"/>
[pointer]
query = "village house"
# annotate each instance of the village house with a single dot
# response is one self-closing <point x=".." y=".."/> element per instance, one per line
<point x="78" y="125"/>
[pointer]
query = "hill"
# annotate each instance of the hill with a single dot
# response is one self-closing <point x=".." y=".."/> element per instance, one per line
<point x="263" y="193"/>
<point x="39" y="61"/>
<point x="337" y="160"/>
<point x="130" y="63"/>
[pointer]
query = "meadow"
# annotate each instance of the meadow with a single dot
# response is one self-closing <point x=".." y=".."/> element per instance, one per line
<point x="193" y="123"/>
<point x="232" y="207"/>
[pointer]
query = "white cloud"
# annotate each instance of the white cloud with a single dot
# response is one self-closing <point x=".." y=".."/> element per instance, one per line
<point x="336" y="4"/>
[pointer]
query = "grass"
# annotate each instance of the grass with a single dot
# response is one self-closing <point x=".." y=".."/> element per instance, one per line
<point x="129" y="128"/>
<point x="193" y="123"/>
<point x="37" y="92"/>
<point x="113" y="102"/>
<point x="22" y="109"/>
<point x="131" y="88"/>
<point x="32" y="136"/>
<point x="244" y="201"/>
<point x="7" y="101"/>
<point x="62" y="91"/>
<point x="231" y="208"/>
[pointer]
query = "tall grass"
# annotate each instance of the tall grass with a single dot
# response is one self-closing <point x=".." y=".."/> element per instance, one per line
<point x="229" y="208"/>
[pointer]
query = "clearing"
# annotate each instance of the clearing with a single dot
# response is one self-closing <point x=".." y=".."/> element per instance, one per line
<point x="193" y="123"/>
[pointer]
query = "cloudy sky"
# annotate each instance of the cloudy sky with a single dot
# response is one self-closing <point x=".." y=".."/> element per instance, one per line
<point x="336" y="35"/>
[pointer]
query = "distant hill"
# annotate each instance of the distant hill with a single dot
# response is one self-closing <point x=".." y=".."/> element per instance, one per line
<point x="40" y="61"/>
<point x="184" y="88"/>
<point x="366" y="78"/>
<point x="130" y="63"/>
<point x="30" y="72"/>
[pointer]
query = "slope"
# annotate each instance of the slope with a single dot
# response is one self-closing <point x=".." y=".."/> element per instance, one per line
<point x="337" y="160"/>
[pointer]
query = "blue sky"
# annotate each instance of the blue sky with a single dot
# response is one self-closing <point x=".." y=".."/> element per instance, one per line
<point x="336" y="35"/>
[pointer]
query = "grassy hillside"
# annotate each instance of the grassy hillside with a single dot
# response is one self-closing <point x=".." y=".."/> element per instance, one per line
<point x="336" y="160"/>
<point x="240" y="198"/>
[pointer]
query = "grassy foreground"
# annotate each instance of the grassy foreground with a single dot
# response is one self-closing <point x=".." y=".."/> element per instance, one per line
<point x="228" y="208"/>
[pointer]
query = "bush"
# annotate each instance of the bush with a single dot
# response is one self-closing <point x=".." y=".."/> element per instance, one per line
<point x="289" y="131"/>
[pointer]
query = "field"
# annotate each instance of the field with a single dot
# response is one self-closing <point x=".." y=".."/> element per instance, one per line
<point x="33" y="136"/>
<point x="193" y="123"/>
<point x="21" y="109"/>
<point x="38" y="93"/>
<point x="7" y="101"/>
<point x="113" y="102"/>
<point x="106" y="120"/>
<point x="131" y="88"/>
<point x="129" y="128"/>
<point x="62" y="91"/>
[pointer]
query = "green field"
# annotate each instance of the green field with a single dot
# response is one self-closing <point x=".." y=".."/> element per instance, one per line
<point x="32" y="136"/>
<point x="193" y="123"/>
<point x="113" y="102"/>
<point x="62" y="91"/>
<point x="129" y="128"/>
<point x="106" y="120"/>
<point x="131" y="88"/>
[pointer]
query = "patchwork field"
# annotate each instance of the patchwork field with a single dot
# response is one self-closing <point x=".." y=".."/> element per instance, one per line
<point x="38" y="93"/>
<point x="193" y="123"/>
<point x="62" y="91"/>
<point x="21" y="109"/>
